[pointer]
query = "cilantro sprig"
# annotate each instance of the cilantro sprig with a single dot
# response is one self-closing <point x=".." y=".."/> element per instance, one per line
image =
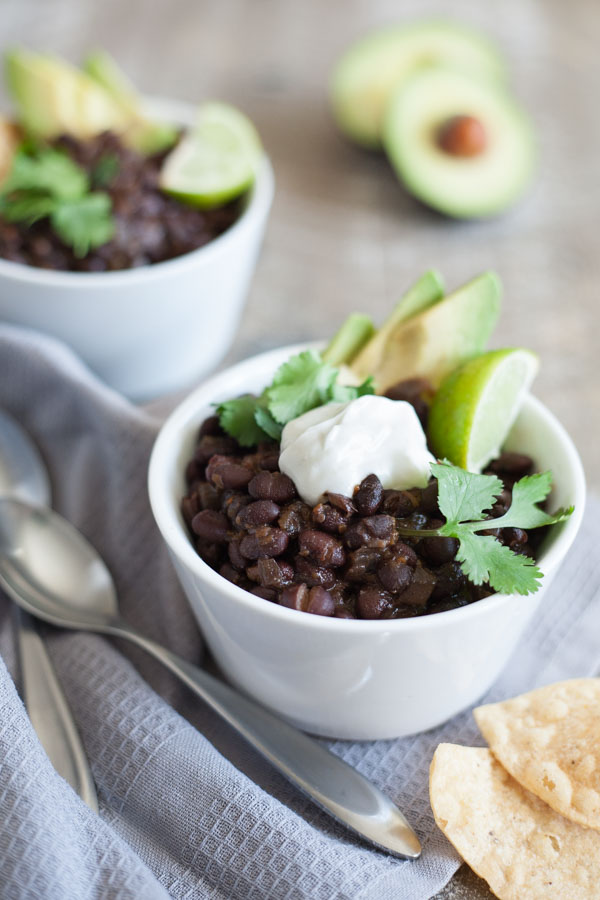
<point x="300" y="384"/>
<point x="463" y="499"/>
<point x="45" y="183"/>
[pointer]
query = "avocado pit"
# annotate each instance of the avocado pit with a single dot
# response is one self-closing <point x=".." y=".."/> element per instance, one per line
<point x="462" y="136"/>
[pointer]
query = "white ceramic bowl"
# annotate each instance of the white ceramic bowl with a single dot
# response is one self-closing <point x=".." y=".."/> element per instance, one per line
<point x="353" y="678"/>
<point x="157" y="328"/>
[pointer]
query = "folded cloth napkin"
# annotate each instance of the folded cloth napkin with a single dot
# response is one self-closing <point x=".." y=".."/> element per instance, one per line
<point x="187" y="810"/>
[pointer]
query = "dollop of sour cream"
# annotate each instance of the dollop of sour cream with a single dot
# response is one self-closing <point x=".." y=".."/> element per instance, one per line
<point x="333" y="447"/>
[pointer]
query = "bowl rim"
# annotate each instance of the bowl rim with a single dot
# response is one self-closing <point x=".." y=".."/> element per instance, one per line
<point x="168" y="445"/>
<point x="260" y="197"/>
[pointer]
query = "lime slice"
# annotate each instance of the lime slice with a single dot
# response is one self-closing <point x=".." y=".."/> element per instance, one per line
<point x="476" y="405"/>
<point x="216" y="161"/>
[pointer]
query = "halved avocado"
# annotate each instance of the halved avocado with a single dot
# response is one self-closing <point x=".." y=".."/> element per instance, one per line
<point x="56" y="98"/>
<point x="368" y="72"/>
<point x="460" y="145"/>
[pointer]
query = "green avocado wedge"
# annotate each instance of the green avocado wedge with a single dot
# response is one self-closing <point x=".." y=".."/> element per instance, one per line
<point x="481" y="182"/>
<point x="370" y="70"/>
<point x="429" y="289"/>
<point x="433" y="342"/>
<point x="53" y="97"/>
<point x="142" y="134"/>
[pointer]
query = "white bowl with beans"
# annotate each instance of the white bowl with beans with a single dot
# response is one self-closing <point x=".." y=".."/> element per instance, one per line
<point x="354" y="678"/>
<point x="158" y="328"/>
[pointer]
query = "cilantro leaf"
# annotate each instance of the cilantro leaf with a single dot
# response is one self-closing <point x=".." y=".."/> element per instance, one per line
<point x="26" y="207"/>
<point x="300" y="384"/>
<point x="523" y="511"/>
<point x="483" y="558"/>
<point x="47" y="171"/>
<point x="342" y="393"/>
<point x="237" y="417"/>
<point x="463" y="498"/>
<point x="105" y="170"/>
<point x="462" y="495"/>
<point x="45" y="183"/>
<point x="85" y="223"/>
<point x="265" y="420"/>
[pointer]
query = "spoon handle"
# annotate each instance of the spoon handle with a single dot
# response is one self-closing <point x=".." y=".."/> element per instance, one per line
<point x="49" y="711"/>
<point x="334" y="785"/>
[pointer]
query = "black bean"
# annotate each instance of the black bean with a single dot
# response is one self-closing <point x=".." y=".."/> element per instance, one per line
<point x="265" y="593"/>
<point x="210" y="552"/>
<point x="263" y="543"/>
<point x="342" y="612"/>
<point x="312" y="574"/>
<point x="449" y="580"/>
<point x="275" y="573"/>
<point x="269" y="460"/>
<point x="190" y="506"/>
<point x="320" y="602"/>
<point x="235" y="557"/>
<point x="329" y="518"/>
<point x="261" y="512"/>
<point x="227" y="473"/>
<point x="405" y="553"/>
<point x="212" y="445"/>
<point x="210" y="525"/>
<point x="399" y="503"/>
<point x="321" y="548"/>
<point x="295" y="597"/>
<point x="362" y="563"/>
<point x="374" y="603"/>
<point x="272" y="486"/>
<point x="438" y="550"/>
<point x="231" y="574"/>
<point x="513" y="537"/>
<point x="395" y="575"/>
<point x="294" y="517"/>
<point x="429" y="499"/>
<point x="210" y="426"/>
<point x="375" y="531"/>
<point x="233" y="502"/>
<point x="344" y="504"/>
<point x="518" y="464"/>
<point x="369" y="495"/>
<point x="207" y="495"/>
<point x="420" y="589"/>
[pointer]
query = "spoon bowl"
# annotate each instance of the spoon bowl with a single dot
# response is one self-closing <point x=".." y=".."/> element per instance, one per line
<point x="59" y="576"/>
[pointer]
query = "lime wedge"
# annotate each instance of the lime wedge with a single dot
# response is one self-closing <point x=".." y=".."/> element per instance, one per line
<point x="216" y="161"/>
<point x="476" y="405"/>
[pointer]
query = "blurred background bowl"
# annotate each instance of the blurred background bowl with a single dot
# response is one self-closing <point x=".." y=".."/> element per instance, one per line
<point x="354" y="679"/>
<point x="154" y="329"/>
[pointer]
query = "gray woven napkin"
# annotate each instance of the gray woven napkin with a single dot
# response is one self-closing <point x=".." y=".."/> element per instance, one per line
<point x="187" y="810"/>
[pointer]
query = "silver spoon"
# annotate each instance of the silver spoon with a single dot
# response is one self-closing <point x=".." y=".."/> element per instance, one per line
<point x="53" y="572"/>
<point x="23" y="475"/>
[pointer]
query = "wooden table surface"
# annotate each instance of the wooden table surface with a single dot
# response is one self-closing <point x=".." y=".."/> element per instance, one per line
<point x="343" y="235"/>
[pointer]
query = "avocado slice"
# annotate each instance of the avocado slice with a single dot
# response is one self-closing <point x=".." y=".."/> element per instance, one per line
<point x="141" y="134"/>
<point x="462" y="146"/>
<point x="53" y="97"/>
<point x="436" y="340"/>
<point x="347" y="342"/>
<point x="371" y="68"/>
<point x="429" y="289"/>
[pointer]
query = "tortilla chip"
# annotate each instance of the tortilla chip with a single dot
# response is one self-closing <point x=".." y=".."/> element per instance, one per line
<point x="549" y="740"/>
<point x="523" y="849"/>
